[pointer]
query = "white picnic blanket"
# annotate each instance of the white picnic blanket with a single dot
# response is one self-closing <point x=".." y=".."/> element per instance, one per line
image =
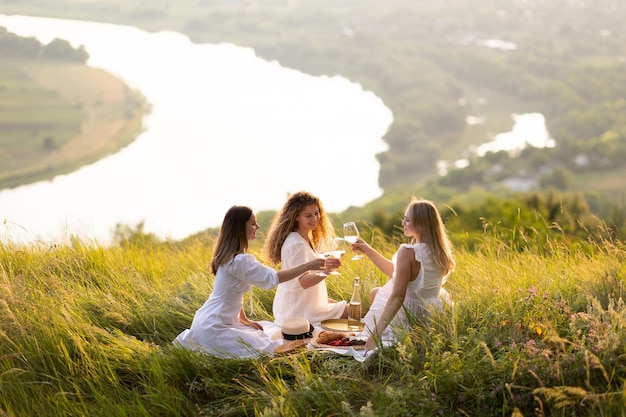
<point x="360" y="355"/>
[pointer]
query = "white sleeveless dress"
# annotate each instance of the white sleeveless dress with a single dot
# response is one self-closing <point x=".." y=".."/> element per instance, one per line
<point x="423" y="294"/>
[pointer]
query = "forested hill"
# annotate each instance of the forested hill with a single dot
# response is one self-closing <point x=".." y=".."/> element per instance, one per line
<point x="428" y="64"/>
<point x="434" y="64"/>
<point x="13" y="46"/>
<point x="428" y="61"/>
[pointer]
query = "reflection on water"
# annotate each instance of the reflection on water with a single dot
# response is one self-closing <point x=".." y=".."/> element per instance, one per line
<point x="497" y="44"/>
<point x="529" y="129"/>
<point x="226" y="128"/>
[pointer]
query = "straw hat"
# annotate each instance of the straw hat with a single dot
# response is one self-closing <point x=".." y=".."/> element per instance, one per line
<point x="289" y="347"/>
<point x="296" y="328"/>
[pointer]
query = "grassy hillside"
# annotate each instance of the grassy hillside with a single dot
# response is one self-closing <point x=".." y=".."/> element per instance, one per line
<point x="58" y="116"/>
<point x="538" y="328"/>
<point x="87" y="331"/>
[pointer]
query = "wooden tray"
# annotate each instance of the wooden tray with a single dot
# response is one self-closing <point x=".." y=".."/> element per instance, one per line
<point x="339" y="325"/>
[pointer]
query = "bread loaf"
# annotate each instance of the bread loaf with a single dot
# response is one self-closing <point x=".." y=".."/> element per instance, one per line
<point x="327" y="336"/>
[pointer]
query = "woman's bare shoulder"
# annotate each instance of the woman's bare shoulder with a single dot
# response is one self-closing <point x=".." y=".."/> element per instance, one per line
<point x="408" y="252"/>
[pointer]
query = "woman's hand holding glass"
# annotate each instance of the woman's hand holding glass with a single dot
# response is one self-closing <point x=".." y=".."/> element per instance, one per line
<point x="336" y="251"/>
<point x="329" y="265"/>
<point x="351" y="234"/>
<point x="360" y="246"/>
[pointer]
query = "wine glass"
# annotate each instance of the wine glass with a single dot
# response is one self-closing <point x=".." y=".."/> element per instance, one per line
<point x="336" y="251"/>
<point x="350" y="235"/>
<point x="321" y="272"/>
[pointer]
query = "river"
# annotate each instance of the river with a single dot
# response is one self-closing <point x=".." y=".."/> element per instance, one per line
<point x="226" y="127"/>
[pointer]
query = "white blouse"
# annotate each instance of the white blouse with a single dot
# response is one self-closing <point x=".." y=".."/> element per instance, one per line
<point x="291" y="299"/>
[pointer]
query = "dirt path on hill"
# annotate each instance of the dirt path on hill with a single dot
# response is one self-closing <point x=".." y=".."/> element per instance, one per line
<point x="112" y="117"/>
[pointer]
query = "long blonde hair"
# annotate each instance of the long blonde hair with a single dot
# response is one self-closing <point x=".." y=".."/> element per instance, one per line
<point x="284" y="222"/>
<point x="426" y="220"/>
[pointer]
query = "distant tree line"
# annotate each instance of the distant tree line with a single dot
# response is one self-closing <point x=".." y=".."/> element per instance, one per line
<point x="519" y="220"/>
<point x="14" y="46"/>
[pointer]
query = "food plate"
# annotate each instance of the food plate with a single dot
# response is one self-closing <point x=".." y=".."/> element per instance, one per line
<point x="319" y="345"/>
<point x="339" y="325"/>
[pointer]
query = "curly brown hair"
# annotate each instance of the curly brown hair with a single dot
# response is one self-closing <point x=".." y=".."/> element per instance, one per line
<point x="284" y="222"/>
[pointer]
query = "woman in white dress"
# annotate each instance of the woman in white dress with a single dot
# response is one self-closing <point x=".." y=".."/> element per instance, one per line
<point x="299" y="231"/>
<point x="220" y="327"/>
<point x="417" y="272"/>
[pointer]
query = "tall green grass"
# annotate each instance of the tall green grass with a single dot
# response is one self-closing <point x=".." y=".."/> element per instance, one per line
<point x="86" y="330"/>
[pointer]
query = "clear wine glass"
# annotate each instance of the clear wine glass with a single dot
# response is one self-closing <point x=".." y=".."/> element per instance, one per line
<point x="321" y="272"/>
<point x="336" y="250"/>
<point x="350" y="235"/>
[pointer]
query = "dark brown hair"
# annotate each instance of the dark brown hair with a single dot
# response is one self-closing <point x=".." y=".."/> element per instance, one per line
<point x="232" y="238"/>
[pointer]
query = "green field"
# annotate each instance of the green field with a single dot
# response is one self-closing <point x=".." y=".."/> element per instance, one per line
<point x="87" y="331"/>
<point x="33" y="119"/>
<point x="56" y="117"/>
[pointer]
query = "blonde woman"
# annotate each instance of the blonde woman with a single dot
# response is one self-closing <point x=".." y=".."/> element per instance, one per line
<point x="298" y="233"/>
<point x="417" y="271"/>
